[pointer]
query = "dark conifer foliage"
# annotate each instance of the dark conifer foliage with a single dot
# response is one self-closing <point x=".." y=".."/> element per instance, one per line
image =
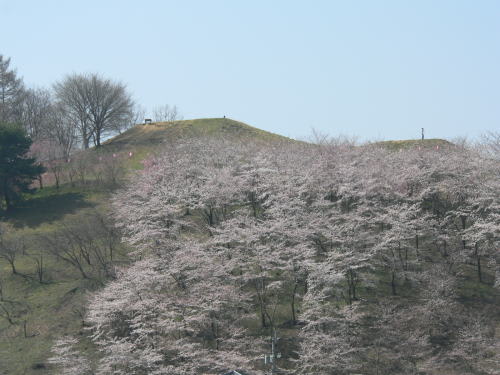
<point x="17" y="171"/>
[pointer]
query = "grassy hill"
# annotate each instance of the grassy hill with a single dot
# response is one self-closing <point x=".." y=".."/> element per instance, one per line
<point x="145" y="139"/>
<point x="53" y="308"/>
<point x="157" y="132"/>
<point x="43" y="312"/>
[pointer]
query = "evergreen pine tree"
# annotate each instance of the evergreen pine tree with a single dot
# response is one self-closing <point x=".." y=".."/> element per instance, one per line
<point x="17" y="170"/>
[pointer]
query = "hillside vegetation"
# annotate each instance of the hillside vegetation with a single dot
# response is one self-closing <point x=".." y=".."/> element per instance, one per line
<point x="357" y="258"/>
<point x="360" y="259"/>
<point x="53" y="307"/>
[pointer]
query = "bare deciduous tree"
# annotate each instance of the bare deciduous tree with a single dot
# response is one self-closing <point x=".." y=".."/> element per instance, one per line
<point x="62" y="131"/>
<point x="37" y="113"/>
<point x="72" y="99"/>
<point x="11" y="247"/>
<point x="166" y="113"/>
<point x="110" y="106"/>
<point x="97" y="105"/>
<point x="491" y="144"/>
<point x="88" y="242"/>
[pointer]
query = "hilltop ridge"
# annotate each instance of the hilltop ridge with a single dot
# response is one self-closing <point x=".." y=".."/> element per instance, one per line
<point x="414" y="143"/>
<point x="156" y="132"/>
<point x="144" y="137"/>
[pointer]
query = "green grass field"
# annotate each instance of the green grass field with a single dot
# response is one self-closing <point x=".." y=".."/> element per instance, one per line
<point x="51" y="308"/>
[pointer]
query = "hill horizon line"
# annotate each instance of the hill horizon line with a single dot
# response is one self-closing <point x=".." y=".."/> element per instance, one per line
<point x="156" y="131"/>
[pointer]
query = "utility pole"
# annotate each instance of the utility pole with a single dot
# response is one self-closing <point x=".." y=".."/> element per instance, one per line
<point x="271" y="358"/>
<point x="422" y="134"/>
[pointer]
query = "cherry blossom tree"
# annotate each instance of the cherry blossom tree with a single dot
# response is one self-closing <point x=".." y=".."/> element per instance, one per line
<point x="173" y="314"/>
<point x="361" y="251"/>
<point x="68" y="359"/>
<point x="418" y="213"/>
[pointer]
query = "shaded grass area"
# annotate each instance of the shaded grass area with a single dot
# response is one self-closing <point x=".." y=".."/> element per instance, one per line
<point x="48" y="206"/>
<point x="53" y="308"/>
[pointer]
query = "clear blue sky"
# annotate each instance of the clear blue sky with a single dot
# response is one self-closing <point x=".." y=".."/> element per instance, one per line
<point x="375" y="69"/>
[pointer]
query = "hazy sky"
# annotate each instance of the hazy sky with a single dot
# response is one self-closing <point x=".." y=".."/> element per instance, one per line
<point x="376" y="69"/>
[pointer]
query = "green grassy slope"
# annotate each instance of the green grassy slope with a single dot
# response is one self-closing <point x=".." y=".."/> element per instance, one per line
<point x="414" y="143"/>
<point x="50" y="309"/>
<point x="155" y="133"/>
<point x="143" y="140"/>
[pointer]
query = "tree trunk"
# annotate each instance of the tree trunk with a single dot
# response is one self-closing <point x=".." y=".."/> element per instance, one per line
<point x="478" y="258"/>
<point x="260" y="289"/>
<point x="85" y="140"/>
<point x="393" y="283"/>
<point x="56" y="176"/>
<point x="13" y="267"/>
<point x="98" y="139"/>
<point x="352" y="285"/>
<point x="417" y="246"/>
<point x="294" y="318"/>
<point x="262" y="316"/>
<point x="479" y="273"/>
<point x="40" y="268"/>
<point x="7" y="315"/>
